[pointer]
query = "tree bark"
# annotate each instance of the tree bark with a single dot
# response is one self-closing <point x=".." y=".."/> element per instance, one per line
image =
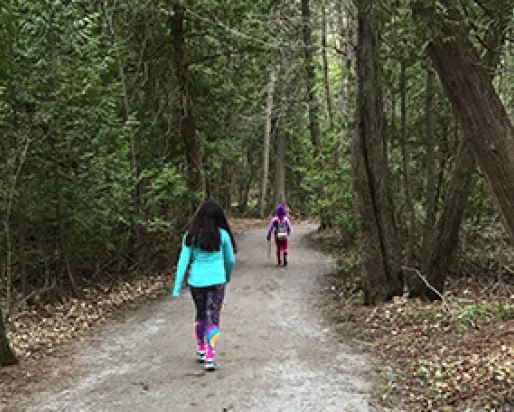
<point x="280" y="168"/>
<point x="326" y="78"/>
<point x="483" y="117"/>
<point x="196" y="180"/>
<point x="381" y="277"/>
<point x="7" y="356"/>
<point x="310" y="77"/>
<point x="411" y="225"/>
<point x="265" y="146"/>
<point x="445" y="239"/>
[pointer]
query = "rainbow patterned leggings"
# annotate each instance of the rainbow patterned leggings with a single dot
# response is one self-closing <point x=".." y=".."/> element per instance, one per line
<point x="208" y="302"/>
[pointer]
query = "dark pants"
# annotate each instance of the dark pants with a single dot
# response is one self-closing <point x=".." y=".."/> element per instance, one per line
<point x="208" y="302"/>
<point x="281" y="246"/>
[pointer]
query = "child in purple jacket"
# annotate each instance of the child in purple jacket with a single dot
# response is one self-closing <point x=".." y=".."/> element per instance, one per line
<point x="281" y="227"/>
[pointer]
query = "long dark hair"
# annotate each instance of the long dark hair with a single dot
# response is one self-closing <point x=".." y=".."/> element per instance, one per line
<point x="204" y="230"/>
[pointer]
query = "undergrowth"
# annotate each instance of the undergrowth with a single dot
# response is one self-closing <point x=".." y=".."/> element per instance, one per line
<point x="453" y="354"/>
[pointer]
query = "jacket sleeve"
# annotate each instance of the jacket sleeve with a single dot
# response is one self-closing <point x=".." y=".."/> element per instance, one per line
<point x="183" y="262"/>
<point x="228" y="254"/>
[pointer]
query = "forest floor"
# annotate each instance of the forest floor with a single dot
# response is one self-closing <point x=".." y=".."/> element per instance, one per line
<point x="278" y="351"/>
<point x="452" y="355"/>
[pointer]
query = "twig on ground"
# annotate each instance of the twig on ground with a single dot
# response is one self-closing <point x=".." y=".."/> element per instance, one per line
<point x="445" y="306"/>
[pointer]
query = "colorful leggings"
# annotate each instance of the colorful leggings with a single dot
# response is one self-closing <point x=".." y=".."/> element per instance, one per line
<point x="208" y="302"/>
<point x="281" y="245"/>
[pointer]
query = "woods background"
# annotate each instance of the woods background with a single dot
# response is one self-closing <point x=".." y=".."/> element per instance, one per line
<point x="389" y="120"/>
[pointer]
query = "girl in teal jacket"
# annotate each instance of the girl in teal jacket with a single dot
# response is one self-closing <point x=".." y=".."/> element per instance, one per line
<point x="209" y="246"/>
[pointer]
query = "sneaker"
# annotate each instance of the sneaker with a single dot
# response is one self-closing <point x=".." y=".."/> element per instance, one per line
<point x="200" y="352"/>
<point x="210" y="365"/>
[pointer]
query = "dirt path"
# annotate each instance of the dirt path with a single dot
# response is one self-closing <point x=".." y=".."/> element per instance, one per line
<point x="276" y="352"/>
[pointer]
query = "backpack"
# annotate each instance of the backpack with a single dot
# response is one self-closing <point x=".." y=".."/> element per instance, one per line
<point x="281" y="230"/>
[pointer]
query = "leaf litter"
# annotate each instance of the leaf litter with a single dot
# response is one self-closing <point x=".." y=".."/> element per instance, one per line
<point x="38" y="334"/>
<point x="450" y="355"/>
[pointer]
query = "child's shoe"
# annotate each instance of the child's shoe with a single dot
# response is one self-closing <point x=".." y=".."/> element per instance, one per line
<point x="209" y="363"/>
<point x="200" y="353"/>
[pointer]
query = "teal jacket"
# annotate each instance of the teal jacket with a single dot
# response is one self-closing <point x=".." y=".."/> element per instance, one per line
<point x="207" y="268"/>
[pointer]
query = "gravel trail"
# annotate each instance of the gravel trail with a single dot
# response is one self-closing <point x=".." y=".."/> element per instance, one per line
<point x="276" y="352"/>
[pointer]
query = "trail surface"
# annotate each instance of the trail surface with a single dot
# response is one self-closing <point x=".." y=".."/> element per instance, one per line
<point x="276" y="352"/>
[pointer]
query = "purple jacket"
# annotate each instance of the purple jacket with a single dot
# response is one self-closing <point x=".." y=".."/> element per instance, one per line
<point x="274" y="225"/>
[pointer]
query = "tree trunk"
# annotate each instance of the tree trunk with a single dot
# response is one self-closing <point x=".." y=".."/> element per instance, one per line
<point x="347" y="30"/>
<point x="7" y="356"/>
<point x="225" y="186"/>
<point x="444" y="242"/>
<point x="243" y="178"/>
<point x="265" y="146"/>
<point x="483" y="117"/>
<point x="20" y="252"/>
<point x="63" y="240"/>
<point x="310" y="77"/>
<point x="7" y="222"/>
<point x="431" y="175"/>
<point x="411" y="225"/>
<point x="381" y="278"/>
<point x="195" y="177"/>
<point x="280" y="168"/>
<point x="326" y="78"/>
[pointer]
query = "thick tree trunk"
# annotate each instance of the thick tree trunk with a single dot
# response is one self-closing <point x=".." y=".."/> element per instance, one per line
<point x="483" y="117"/>
<point x="381" y="278"/>
<point x="280" y="168"/>
<point x="196" y="180"/>
<point x="445" y="239"/>
<point x="7" y="356"/>
<point x="326" y="78"/>
<point x="265" y="146"/>
<point x="310" y="76"/>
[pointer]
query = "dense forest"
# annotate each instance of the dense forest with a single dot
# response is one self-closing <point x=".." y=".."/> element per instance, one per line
<point x="389" y="120"/>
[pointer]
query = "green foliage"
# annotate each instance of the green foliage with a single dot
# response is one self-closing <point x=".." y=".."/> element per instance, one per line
<point x="478" y="314"/>
<point x="348" y="264"/>
<point x="89" y="89"/>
